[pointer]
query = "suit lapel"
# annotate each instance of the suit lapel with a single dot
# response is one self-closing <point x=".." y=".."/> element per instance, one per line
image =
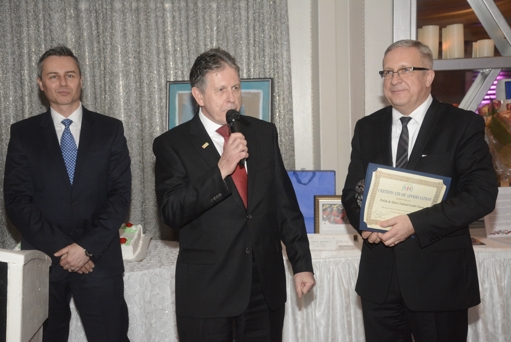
<point x="386" y="136"/>
<point x="86" y="140"/>
<point x="202" y="142"/>
<point x="50" y="139"/>
<point x="431" y="118"/>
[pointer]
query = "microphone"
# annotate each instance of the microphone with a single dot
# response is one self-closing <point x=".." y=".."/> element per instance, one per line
<point x="233" y="120"/>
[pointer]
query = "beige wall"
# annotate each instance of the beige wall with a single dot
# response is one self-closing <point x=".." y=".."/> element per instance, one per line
<point x="336" y="51"/>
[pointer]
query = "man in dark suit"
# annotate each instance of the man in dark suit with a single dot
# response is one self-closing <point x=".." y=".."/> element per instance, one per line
<point x="419" y="278"/>
<point x="230" y="269"/>
<point x="69" y="201"/>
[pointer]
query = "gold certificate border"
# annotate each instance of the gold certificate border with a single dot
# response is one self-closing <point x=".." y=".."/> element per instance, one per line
<point x="437" y="184"/>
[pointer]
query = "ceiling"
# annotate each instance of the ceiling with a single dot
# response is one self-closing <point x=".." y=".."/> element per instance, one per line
<point x="447" y="12"/>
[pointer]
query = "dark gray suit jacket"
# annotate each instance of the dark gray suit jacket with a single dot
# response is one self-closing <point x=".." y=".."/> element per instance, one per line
<point x="436" y="268"/>
<point x="218" y="235"/>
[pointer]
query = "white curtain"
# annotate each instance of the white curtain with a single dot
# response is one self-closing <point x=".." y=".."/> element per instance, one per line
<point x="129" y="49"/>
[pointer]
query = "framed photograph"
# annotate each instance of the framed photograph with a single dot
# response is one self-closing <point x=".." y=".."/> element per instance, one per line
<point x="256" y="100"/>
<point x="330" y="216"/>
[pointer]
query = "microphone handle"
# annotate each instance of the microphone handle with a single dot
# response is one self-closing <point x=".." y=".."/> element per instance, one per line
<point x="235" y="128"/>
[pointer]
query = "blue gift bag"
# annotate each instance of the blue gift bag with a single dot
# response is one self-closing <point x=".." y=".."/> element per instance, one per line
<point x="307" y="184"/>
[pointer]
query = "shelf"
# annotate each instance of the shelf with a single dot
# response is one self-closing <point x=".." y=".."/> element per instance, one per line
<point x="405" y="12"/>
<point x="472" y="63"/>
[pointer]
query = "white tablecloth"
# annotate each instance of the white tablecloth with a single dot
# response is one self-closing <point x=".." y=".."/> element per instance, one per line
<point x="149" y="292"/>
<point x="331" y="312"/>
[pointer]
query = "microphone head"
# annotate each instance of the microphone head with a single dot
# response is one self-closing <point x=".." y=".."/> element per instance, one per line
<point x="232" y="115"/>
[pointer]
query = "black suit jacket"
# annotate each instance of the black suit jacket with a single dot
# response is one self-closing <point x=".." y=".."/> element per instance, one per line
<point x="51" y="213"/>
<point x="218" y="235"/>
<point x="436" y="267"/>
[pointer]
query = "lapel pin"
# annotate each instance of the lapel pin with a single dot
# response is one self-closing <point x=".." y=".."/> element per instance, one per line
<point x="206" y="144"/>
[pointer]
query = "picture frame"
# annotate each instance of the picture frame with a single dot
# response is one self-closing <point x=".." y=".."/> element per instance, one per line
<point x="256" y="100"/>
<point x="330" y="216"/>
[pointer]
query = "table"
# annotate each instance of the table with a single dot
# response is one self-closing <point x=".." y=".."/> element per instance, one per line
<point x="149" y="292"/>
<point x="331" y="312"/>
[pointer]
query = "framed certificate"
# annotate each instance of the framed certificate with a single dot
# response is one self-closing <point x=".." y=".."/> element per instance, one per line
<point x="390" y="192"/>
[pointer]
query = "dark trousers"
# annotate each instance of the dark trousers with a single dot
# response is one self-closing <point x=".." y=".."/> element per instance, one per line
<point x="258" y="323"/>
<point x="100" y="303"/>
<point x="392" y="321"/>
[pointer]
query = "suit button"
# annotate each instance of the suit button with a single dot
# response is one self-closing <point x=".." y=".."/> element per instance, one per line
<point x="74" y="204"/>
<point x="247" y="250"/>
<point x="249" y="216"/>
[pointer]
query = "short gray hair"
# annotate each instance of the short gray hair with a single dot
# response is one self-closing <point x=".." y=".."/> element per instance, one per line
<point x="424" y="50"/>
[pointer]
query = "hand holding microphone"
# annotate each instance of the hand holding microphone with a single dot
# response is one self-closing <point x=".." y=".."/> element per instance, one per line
<point x="233" y="121"/>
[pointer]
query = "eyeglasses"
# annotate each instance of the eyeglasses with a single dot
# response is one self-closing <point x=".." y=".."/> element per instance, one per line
<point x="403" y="72"/>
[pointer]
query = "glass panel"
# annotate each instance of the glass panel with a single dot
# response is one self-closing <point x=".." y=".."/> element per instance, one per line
<point x="450" y="86"/>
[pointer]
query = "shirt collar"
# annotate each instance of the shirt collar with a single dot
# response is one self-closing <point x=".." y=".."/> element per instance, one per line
<point x="417" y="115"/>
<point x="209" y="125"/>
<point x="76" y="117"/>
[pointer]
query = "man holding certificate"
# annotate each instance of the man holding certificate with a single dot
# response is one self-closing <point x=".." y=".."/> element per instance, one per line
<point x="418" y="273"/>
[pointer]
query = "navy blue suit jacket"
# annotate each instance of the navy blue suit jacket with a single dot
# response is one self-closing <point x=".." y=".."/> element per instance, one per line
<point x="51" y="213"/>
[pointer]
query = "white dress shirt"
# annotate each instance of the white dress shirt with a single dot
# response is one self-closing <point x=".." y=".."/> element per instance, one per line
<point x="75" y="127"/>
<point x="414" y="126"/>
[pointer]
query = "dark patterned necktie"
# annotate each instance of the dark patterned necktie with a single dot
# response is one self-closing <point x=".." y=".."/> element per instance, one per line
<point x="69" y="149"/>
<point x="402" y="145"/>
<point x="240" y="174"/>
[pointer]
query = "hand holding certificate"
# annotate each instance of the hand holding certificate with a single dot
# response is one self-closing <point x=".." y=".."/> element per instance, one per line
<point x="390" y="192"/>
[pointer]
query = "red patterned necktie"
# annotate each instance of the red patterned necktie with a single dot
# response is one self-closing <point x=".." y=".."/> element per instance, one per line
<point x="240" y="174"/>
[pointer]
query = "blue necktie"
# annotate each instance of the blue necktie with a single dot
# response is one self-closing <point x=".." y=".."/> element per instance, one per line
<point x="69" y="149"/>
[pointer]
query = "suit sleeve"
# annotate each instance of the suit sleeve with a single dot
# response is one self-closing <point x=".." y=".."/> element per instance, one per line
<point x="356" y="172"/>
<point x="473" y="189"/>
<point x="105" y="225"/>
<point x="18" y="196"/>
<point x="291" y="222"/>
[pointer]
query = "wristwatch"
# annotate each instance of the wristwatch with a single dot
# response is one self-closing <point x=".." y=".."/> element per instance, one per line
<point x="87" y="253"/>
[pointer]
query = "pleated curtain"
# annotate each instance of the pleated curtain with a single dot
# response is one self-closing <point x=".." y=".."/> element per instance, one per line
<point x="128" y="50"/>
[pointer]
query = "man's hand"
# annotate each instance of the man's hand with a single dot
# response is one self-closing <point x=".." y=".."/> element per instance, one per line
<point x="401" y="229"/>
<point x="235" y="149"/>
<point x="73" y="257"/>
<point x="371" y="237"/>
<point x="304" y="282"/>
<point x="87" y="268"/>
